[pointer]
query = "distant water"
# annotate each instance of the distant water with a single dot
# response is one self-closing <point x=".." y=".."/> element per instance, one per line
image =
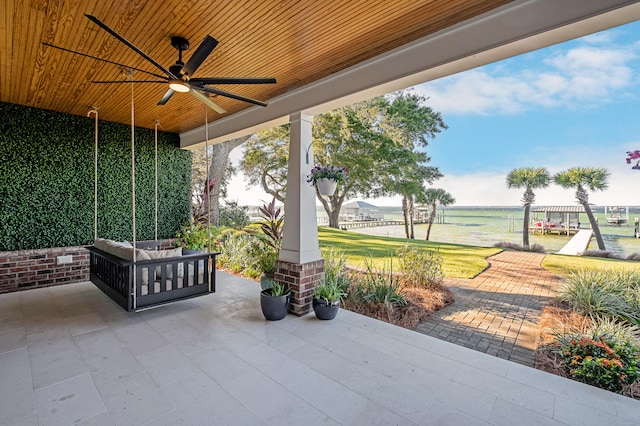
<point x="484" y="226"/>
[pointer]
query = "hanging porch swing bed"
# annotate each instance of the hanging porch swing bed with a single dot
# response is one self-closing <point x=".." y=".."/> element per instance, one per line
<point x="157" y="277"/>
<point x="139" y="275"/>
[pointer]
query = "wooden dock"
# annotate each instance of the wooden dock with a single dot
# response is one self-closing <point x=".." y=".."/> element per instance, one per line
<point x="578" y="243"/>
<point x="372" y="223"/>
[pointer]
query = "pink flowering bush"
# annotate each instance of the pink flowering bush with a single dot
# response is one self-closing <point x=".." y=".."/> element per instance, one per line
<point x="634" y="155"/>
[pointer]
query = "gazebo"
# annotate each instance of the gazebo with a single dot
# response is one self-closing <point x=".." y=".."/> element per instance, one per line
<point x="556" y="219"/>
<point x="360" y="211"/>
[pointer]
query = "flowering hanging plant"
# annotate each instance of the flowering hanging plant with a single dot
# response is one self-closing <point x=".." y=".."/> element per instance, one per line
<point x="338" y="174"/>
<point x="634" y="155"/>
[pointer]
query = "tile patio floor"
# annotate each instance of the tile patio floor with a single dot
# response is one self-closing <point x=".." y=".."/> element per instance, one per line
<point x="68" y="355"/>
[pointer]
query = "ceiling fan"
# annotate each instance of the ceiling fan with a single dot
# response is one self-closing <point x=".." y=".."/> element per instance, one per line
<point x="179" y="76"/>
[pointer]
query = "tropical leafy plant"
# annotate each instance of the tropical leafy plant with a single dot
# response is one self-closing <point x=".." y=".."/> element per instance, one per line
<point x="272" y="224"/>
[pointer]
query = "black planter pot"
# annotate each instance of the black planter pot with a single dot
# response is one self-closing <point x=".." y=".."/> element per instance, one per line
<point x="274" y="308"/>
<point x="186" y="251"/>
<point x="266" y="280"/>
<point x="324" y="310"/>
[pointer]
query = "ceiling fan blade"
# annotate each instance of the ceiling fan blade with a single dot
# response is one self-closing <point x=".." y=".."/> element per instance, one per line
<point x="166" y="97"/>
<point x="131" y="46"/>
<point x="230" y="95"/>
<point x="217" y="108"/>
<point x="103" y="60"/>
<point x="202" y="52"/>
<point x="127" y="81"/>
<point x="232" y="80"/>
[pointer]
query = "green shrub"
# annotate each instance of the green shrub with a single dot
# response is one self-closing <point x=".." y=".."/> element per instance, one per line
<point x="266" y="258"/>
<point x="234" y="250"/>
<point x="233" y="215"/>
<point x="335" y="268"/>
<point x="247" y="254"/>
<point x="378" y="287"/>
<point x="600" y="360"/>
<point x="421" y="268"/>
<point x="194" y="237"/>
<point x="537" y="248"/>
<point x="597" y="293"/>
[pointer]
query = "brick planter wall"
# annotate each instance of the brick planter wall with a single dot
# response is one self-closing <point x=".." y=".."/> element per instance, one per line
<point x="26" y="269"/>
<point x="302" y="280"/>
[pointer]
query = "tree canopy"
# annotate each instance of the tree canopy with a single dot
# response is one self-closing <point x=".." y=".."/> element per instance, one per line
<point x="529" y="178"/>
<point x="583" y="178"/>
<point x="381" y="141"/>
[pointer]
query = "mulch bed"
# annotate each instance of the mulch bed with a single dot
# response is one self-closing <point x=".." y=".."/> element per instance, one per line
<point x="421" y="304"/>
<point x="558" y="316"/>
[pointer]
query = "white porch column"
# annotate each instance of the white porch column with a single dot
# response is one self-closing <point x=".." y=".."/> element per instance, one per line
<point x="300" y="265"/>
<point x="300" y="241"/>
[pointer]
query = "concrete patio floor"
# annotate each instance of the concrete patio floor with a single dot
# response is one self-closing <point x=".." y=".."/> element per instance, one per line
<point x="69" y="355"/>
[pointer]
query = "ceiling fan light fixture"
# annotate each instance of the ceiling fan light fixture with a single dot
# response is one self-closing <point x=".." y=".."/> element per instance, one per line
<point x="179" y="86"/>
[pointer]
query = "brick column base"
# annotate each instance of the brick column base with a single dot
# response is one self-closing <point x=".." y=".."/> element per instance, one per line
<point x="302" y="280"/>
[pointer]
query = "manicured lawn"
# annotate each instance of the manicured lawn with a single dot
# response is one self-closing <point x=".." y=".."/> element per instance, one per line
<point x="459" y="261"/>
<point x="564" y="265"/>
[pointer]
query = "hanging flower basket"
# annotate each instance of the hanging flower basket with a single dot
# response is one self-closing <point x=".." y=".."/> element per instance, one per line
<point x="326" y="186"/>
<point x="327" y="178"/>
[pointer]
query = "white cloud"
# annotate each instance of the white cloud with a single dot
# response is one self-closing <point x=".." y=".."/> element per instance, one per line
<point x="579" y="77"/>
<point x="481" y="189"/>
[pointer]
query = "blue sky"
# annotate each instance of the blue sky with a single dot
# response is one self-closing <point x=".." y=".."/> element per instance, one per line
<point x="572" y="104"/>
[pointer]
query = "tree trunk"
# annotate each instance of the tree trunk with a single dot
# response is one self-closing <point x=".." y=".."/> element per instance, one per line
<point x="276" y="194"/>
<point x="594" y="225"/>
<point x="332" y="206"/>
<point x="411" y="228"/>
<point x="432" y="217"/>
<point x="525" y="227"/>
<point x="219" y="160"/>
<point x="405" y="210"/>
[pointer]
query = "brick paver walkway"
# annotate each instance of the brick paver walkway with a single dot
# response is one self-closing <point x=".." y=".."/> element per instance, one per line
<point x="498" y="311"/>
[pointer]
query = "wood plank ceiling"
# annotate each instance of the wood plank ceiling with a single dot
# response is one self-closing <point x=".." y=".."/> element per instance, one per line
<point x="297" y="42"/>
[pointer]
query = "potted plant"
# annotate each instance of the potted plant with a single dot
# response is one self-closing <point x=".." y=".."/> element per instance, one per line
<point x="327" y="178"/>
<point x="326" y="300"/>
<point x="267" y="264"/>
<point x="274" y="301"/>
<point x="193" y="238"/>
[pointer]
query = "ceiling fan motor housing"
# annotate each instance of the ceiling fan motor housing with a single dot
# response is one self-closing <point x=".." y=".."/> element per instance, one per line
<point x="180" y="43"/>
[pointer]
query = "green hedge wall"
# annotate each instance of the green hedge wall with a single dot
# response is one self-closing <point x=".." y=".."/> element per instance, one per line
<point x="47" y="180"/>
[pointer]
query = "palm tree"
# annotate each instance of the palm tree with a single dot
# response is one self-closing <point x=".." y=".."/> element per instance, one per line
<point x="583" y="178"/>
<point x="434" y="197"/>
<point x="528" y="178"/>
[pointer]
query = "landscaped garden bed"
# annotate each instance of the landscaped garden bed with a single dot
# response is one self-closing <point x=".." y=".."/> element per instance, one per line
<point x="591" y="333"/>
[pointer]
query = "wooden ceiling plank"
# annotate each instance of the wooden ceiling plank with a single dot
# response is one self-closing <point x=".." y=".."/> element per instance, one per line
<point x="295" y="41"/>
